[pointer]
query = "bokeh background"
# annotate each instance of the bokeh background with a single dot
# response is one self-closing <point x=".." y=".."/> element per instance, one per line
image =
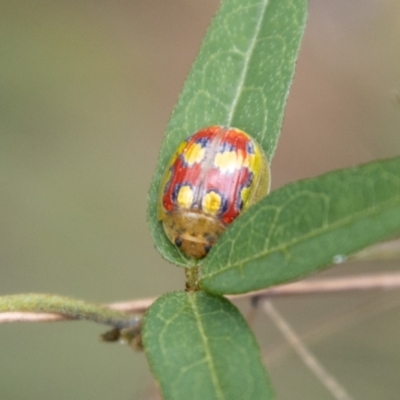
<point x="86" y="90"/>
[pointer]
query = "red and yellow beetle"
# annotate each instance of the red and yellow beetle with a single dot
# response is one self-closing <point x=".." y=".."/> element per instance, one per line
<point x="214" y="175"/>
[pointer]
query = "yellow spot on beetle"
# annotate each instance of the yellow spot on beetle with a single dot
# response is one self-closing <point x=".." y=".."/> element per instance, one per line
<point x="230" y="161"/>
<point x="211" y="203"/>
<point x="195" y="153"/>
<point x="227" y="161"/>
<point x="185" y="197"/>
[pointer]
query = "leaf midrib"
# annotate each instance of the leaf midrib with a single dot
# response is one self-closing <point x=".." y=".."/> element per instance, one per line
<point x="247" y="58"/>
<point x="209" y="358"/>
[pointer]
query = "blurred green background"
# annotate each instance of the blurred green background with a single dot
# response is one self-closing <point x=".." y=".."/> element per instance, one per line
<point x="86" y="90"/>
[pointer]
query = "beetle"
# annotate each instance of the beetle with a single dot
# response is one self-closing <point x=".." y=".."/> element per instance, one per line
<point x="214" y="175"/>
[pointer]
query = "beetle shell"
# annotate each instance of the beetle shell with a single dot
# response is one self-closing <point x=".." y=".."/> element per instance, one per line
<point x="214" y="175"/>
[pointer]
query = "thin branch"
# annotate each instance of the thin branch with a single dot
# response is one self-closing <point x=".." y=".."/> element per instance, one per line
<point x="384" y="281"/>
<point x="328" y="380"/>
<point x="35" y="307"/>
<point x="136" y="306"/>
<point x="337" y="321"/>
<point x="16" y="316"/>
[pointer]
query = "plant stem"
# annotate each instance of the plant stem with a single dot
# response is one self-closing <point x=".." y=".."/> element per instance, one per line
<point x="69" y="308"/>
<point x="20" y="311"/>
<point x="192" y="279"/>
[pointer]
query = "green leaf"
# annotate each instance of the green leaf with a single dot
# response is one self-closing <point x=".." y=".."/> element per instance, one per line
<point x="240" y="78"/>
<point x="306" y="226"/>
<point x="200" y="347"/>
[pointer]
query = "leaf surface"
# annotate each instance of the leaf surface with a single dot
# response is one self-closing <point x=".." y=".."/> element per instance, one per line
<point x="305" y="226"/>
<point x="199" y="347"/>
<point x="240" y="78"/>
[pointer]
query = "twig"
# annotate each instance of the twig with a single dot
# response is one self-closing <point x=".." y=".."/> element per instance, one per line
<point x="355" y="283"/>
<point x="36" y="307"/>
<point x="328" y="380"/>
<point x="336" y="321"/>
<point x="385" y="281"/>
